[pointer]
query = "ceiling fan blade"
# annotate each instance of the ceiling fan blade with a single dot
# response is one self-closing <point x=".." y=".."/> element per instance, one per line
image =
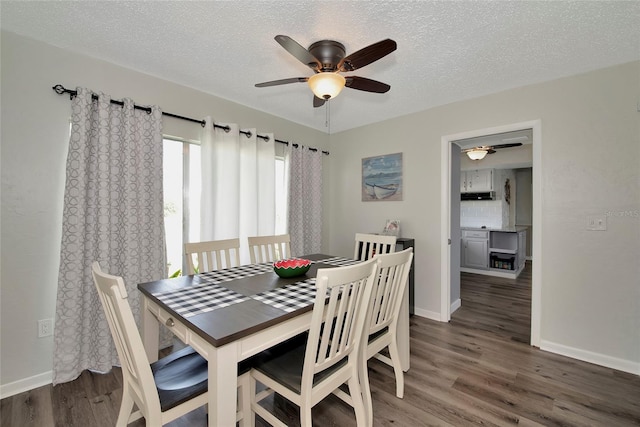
<point x="491" y="151"/>
<point x="515" y="144"/>
<point x="318" y="102"/>
<point x="283" y="81"/>
<point x="368" y="85"/>
<point x="367" y="55"/>
<point x="301" y="54"/>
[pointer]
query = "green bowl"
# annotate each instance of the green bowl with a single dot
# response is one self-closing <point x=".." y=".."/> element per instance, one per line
<point x="291" y="267"/>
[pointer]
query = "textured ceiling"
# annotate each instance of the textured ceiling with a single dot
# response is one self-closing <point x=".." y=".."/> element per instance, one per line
<point x="447" y="51"/>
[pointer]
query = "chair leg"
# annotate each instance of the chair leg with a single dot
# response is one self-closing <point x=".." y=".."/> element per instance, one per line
<point x="252" y="400"/>
<point x="126" y="406"/>
<point x="363" y="376"/>
<point x="305" y="416"/>
<point x="397" y="368"/>
<point x="362" y="418"/>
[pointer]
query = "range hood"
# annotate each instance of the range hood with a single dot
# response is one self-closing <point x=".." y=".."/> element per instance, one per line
<point x="486" y="195"/>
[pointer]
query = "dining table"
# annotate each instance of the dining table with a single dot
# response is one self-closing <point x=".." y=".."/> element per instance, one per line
<point x="232" y="314"/>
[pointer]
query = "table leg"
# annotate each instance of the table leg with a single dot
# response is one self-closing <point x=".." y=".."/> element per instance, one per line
<point x="223" y="380"/>
<point x="150" y="332"/>
<point x="402" y="333"/>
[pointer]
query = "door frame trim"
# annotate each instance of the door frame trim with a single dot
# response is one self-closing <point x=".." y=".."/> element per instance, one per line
<point x="536" y="243"/>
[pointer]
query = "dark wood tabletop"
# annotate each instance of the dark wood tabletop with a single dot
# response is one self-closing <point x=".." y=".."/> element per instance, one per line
<point x="227" y="324"/>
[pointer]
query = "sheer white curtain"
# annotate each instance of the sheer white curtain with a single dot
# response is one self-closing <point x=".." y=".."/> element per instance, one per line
<point x="305" y="199"/>
<point x="113" y="213"/>
<point x="238" y="178"/>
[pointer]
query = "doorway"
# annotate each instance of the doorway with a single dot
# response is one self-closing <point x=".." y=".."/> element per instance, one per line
<point x="450" y="267"/>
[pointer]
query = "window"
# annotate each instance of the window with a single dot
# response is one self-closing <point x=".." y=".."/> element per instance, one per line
<point x="181" y="199"/>
<point x="182" y="188"/>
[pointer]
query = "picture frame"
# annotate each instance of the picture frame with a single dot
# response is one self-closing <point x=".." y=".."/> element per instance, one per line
<point x="392" y="228"/>
<point x="382" y="178"/>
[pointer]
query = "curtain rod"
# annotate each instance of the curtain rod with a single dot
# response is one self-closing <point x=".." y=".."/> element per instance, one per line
<point x="59" y="89"/>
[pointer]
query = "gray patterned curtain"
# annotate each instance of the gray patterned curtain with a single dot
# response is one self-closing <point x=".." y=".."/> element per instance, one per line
<point x="113" y="214"/>
<point x="305" y="200"/>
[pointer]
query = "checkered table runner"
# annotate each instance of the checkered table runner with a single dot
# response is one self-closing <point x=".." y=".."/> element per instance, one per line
<point x="291" y="297"/>
<point x="208" y="294"/>
<point x="233" y="273"/>
<point x="338" y="261"/>
<point x="200" y="299"/>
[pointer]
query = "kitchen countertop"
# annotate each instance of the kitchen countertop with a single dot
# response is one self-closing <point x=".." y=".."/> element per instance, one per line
<point x="503" y="230"/>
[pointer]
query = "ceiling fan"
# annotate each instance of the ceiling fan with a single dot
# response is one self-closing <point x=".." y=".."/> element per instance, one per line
<point x="478" y="153"/>
<point x="327" y="60"/>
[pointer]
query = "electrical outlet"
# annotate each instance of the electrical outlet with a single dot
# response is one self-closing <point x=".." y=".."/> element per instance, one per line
<point x="596" y="223"/>
<point x="45" y="328"/>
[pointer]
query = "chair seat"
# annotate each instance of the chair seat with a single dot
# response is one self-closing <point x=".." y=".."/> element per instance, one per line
<point x="285" y="361"/>
<point x="182" y="375"/>
<point x="179" y="377"/>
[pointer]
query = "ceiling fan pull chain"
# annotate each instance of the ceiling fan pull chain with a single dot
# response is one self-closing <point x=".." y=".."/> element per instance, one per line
<point x="327" y="117"/>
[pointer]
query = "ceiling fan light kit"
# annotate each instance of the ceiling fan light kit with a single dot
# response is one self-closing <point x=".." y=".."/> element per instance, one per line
<point x="477" y="154"/>
<point x="326" y="85"/>
<point x="327" y="59"/>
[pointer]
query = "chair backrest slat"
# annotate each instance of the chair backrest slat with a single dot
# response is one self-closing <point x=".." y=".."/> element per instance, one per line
<point x="269" y="248"/>
<point x="369" y="245"/>
<point x="212" y="255"/>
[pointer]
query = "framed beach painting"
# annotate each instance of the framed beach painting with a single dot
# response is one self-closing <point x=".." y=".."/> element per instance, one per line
<point x="382" y="178"/>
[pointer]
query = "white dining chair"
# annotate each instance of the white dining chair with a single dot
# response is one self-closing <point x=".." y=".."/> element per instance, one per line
<point x="269" y="248"/>
<point x="369" y="245"/>
<point x="212" y="255"/>
<point x="389" y="288"/>
<point x="164" y="390"/>
<point x="311" y="366"/>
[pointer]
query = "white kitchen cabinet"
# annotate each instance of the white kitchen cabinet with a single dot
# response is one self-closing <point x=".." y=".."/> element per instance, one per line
<point x="499" y="253"/>
<point x="474" y="181"/>
<point x="475" y="249"/>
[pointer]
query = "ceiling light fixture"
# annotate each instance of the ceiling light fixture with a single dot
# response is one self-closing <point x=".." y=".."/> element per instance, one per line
<point x="477" y="154"/>
<point x="326" y="85"/>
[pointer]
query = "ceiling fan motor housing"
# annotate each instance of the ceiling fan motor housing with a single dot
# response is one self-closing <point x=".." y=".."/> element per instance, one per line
<point x="329" y="53"/>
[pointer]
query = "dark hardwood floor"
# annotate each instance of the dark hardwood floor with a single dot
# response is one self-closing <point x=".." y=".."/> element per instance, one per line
<point x="476" y="370"/>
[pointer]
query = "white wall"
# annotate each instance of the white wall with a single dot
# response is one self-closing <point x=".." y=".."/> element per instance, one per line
<point x="590" y="165"/>
<point x="35" y="127"/>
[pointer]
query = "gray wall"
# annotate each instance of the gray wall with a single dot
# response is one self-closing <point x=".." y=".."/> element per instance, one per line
<point x="590" y="153"/>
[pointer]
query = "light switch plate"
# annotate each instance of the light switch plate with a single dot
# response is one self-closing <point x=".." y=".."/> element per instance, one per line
<point x="596" y="222"/>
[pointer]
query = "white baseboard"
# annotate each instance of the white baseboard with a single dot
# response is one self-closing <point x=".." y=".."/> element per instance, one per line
<point x="591" y="357"/>
<point x="455" y="305"/>
<point x="431" y="315"/>
<point x="26" y="384"/>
